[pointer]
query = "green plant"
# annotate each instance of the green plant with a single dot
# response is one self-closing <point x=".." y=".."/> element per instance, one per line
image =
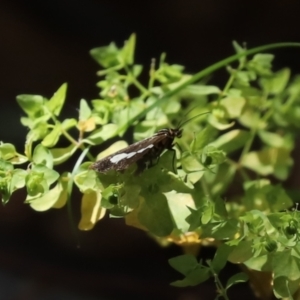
<point x="246" y="140"/>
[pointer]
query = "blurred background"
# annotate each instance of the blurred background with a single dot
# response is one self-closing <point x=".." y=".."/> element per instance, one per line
<point x="45" y="43"/>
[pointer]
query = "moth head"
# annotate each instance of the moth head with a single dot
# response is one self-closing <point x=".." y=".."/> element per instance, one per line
<point x="177" y="132"/>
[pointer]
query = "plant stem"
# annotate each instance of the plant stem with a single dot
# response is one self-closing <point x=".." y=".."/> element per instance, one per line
<point x="221" y="290"/>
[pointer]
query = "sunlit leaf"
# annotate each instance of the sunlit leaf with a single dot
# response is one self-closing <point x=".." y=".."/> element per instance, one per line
<point x="60" y="155"/>
<point x="42" y="155"/>
<point x="31" y="104"/>
<point x="276" y="83"/>
<point x="91" y="210"/>
<point x="268" y="161"/>
<point x="51" y="139"/>
<point x="233" y="105"/>
<point x="102" y="134"/>
<point x="232" y="140"/>
<point x="236" y="278"/>
<point x="57" y="101"/>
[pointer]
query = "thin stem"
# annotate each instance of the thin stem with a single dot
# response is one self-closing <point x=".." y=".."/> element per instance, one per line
<point x="228" y="84"/>
<point x="220" y="288"/>
<point x="151" y="74"/>
<point x="143" y="90"/>
<point x="205" y="189"/>
<point x="70" y="188"/>
<point x="248" y="144"/>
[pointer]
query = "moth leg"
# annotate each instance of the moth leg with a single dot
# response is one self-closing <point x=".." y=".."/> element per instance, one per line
<point x="173" y="160"/>
<point x="154" y="162"/>
<point x="174" y="156"/>
<point x="140" y="167"/>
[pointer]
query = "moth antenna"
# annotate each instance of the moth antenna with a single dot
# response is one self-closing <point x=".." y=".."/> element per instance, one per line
<point x="180" y="123"/>
<point x="192" y="118"/>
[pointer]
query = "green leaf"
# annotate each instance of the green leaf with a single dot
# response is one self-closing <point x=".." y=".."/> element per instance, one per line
<point x="36" y="183"/>
<point x="5" y="166"/>
<point x="178" y="204"/>
<point x="129" y="196"/>
<point x="190" y="163"/>
<point x="220" y="209"/>
<point x="184" y="264"/>
<point x="102" y="134"/>
<point x="241" y="253"/>
<point x="232" y="140"/>
<point x="123" y="116"/>
<point x="42" y="155"/>
<point x="91" y="210"/>
<point x="101" y="112"/>
<point x="197" y="276"/>
<point x="233" y="105"/>
<point x="251" y="118"/>
<point x="54" y="198"/>
<point x="17" y="179"/>
<point x="127" y="53"/>
<point x="162" y="176"/>
<point x="4" y="189"/>
<point x="242" y="78"/>
<point x="84" y="110"/>
<point x="48" y="174"/>
<point x="261" y="63"/>
<point x="261" y="263"/>
<point x="217" y="156"/>
<point x="221" y="230"/>
<point x="87" y="181"/>
<point x="61" y="155"/>
<point x="277" y="83"/>
<point x="271" y="139"/>
<point x="110" y="196"/>
<point x="284" y="264"/>
<point x="239" y="50"/>
<point x="31" y="104"/>
<point x="168" y="73"/>
<point x="51" y="139"/>
<point x="39" y="131"/>
<point x="154" y="214"/>
<point x="285" y="288"/>
<point x="236" y="278"/>
<point x="8" y="152"/>
<point x="137" y="70"/>
<point x="220" y="258"/>
<point x="68" y="123"/>
<point x="276" y="161"/>
<point x="203" y="137"/>
<point x="187" y="265"/>
<point x="106" y="56"/>
<point x="194" y="219"/>
<point x="261" y="195"/>
<point x="221" y="177"/>
<point x="219" y="122"/>
<point x="57" y="101"/>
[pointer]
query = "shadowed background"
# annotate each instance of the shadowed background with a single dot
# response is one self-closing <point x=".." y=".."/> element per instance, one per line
<point x="46" y="43"/>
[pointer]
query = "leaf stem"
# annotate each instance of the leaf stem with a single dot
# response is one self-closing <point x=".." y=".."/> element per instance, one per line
<point x="139" y="86"/>
<point x="221" y="290"/>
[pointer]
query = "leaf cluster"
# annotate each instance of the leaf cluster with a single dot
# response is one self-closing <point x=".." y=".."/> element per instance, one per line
<point x="244" y="143"/>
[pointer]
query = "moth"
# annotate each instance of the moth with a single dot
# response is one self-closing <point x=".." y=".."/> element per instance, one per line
<point x="144" y="153"/>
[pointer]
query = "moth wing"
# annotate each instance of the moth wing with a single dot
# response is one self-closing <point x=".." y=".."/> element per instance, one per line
<point x="123" y="158"/>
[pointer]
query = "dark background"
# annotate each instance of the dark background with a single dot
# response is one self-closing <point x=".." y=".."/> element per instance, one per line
<point x="45" y="43"/>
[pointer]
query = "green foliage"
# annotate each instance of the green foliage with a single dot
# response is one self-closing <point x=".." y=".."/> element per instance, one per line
<point x="246" y="141"/>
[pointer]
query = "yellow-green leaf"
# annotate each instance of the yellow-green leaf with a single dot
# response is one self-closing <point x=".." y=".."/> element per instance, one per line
<point x="91" y="210"/>
<point x="57" y="101"/>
